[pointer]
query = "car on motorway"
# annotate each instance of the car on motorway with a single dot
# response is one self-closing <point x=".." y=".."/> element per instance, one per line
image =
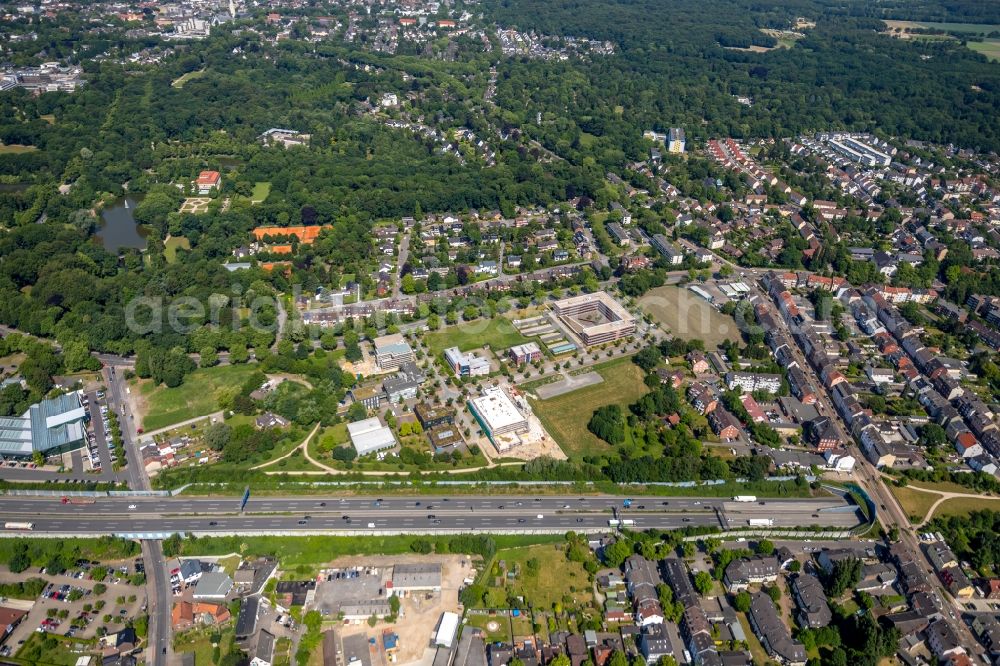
<point x="213" y="523"/>
<point x="131" y="507"/>
<point x="431" y="516"/>
<point x="302" y="522"/>
<point x="579" y="520"/>
<point x="520" y="520"/>
<point x="685" y="520"/>
<point x="322" y="503"/>
<point x="437" y="522"/>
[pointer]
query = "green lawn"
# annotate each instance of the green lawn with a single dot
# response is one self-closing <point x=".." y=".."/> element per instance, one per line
<point x="557" y="577"/>
<point x="197" y="396"/>
<point x="49" y="649"/>
<point x="260" y="191"/>
<point x="498" y="333"/>
<point x="502" y="631"/>
<point x="171" y="246"/>
<point x="565" y="417"/>
<point x="308" y="552"/>
<point x="963" y="506"/>
<point x="199" y="642"/>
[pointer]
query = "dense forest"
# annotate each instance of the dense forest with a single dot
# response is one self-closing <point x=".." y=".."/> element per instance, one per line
<point x="673" y="70"/>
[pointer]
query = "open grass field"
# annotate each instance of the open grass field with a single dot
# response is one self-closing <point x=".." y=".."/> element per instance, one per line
<point x="199" y="642"/>
<point x="498" y="333"/>
<point x="172" y="244"/>
<point x="989" y="48"/>
<point x="309" y="552"/>
<point x="556" y="577"/>
<point x="915" y="503"/>
<point x="689" y="316"/>
<point x="16" y="148"/>
<point x="261" y="190"/>
<point x="190" y="76"/>
<point x="50" y="650"/>
<point x="963" y="506"/>
<point x="565" y="417"/>
<point x="971" y="28"/>
<point x="197" y="396"/>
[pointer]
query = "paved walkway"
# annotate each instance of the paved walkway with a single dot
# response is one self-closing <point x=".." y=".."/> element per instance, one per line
<point x="303" y="446"/>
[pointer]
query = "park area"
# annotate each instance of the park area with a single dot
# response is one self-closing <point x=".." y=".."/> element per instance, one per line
<point x="565" y="416"/>
<point x="917" y="500"/>
<point x="197" y="396"/>
<point x="689" y="316"/>
<point x="172" y="244"/>
<point x="499" y="333"/>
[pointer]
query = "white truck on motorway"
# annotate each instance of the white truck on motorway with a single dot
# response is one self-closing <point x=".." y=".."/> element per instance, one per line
<point x="760" y="522"/>
<point x="745" y="498"/>
<point x="620" y="523"/>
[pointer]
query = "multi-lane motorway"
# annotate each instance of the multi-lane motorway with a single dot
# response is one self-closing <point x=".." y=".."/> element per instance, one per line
<point x="414" y="515"/>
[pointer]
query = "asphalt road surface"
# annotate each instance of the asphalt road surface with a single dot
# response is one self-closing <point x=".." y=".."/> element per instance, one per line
<point x="206" y="515"/>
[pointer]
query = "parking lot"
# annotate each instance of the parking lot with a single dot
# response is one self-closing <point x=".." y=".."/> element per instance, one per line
<point x="69" y="606"/>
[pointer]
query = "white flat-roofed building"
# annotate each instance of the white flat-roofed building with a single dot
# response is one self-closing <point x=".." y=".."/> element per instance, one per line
<point x="415" y="578"/>
<point x="498" y="415"/>
<point x="370" y="436"/>
<point x="466" y="364"/>
<point x="391" y="351"/>
<point x="595" y="318"/>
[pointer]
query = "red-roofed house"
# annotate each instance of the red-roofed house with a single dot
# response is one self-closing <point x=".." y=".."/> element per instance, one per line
<point x="207" y="181"/>
<point x="10" y="618"/>
<point x="757" y="414"/>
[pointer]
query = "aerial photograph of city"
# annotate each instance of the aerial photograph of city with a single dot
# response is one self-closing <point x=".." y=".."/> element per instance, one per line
<point x="500" y="332"/>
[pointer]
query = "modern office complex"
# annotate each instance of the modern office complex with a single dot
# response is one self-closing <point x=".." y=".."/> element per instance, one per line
<point x="466" y="364"/>
<point x="595" y="318"/>
<point x="498" y="415"/>
<point x="391" y="351"/>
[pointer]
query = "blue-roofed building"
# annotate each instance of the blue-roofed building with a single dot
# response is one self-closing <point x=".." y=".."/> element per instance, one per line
<point x="51" y="426"/>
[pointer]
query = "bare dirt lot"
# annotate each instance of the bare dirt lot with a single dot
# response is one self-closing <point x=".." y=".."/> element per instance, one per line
<point x="419" y="615"/>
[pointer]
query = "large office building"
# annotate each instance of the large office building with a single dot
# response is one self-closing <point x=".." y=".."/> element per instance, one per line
<point x="51" y="426"/>
<point x="391" y="351"/>
<point x="497" y="416"/>
<point x="595" y="318"/>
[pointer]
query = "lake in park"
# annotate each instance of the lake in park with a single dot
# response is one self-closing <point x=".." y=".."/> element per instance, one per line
<point x="118" y="227"/>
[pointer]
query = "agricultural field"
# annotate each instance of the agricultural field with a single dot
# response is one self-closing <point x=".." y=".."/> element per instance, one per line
<point x="198" y="396"/>
<point x="988" y="47"/>
<point x="565" y="416"/>
<point x="688" y="316"/>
